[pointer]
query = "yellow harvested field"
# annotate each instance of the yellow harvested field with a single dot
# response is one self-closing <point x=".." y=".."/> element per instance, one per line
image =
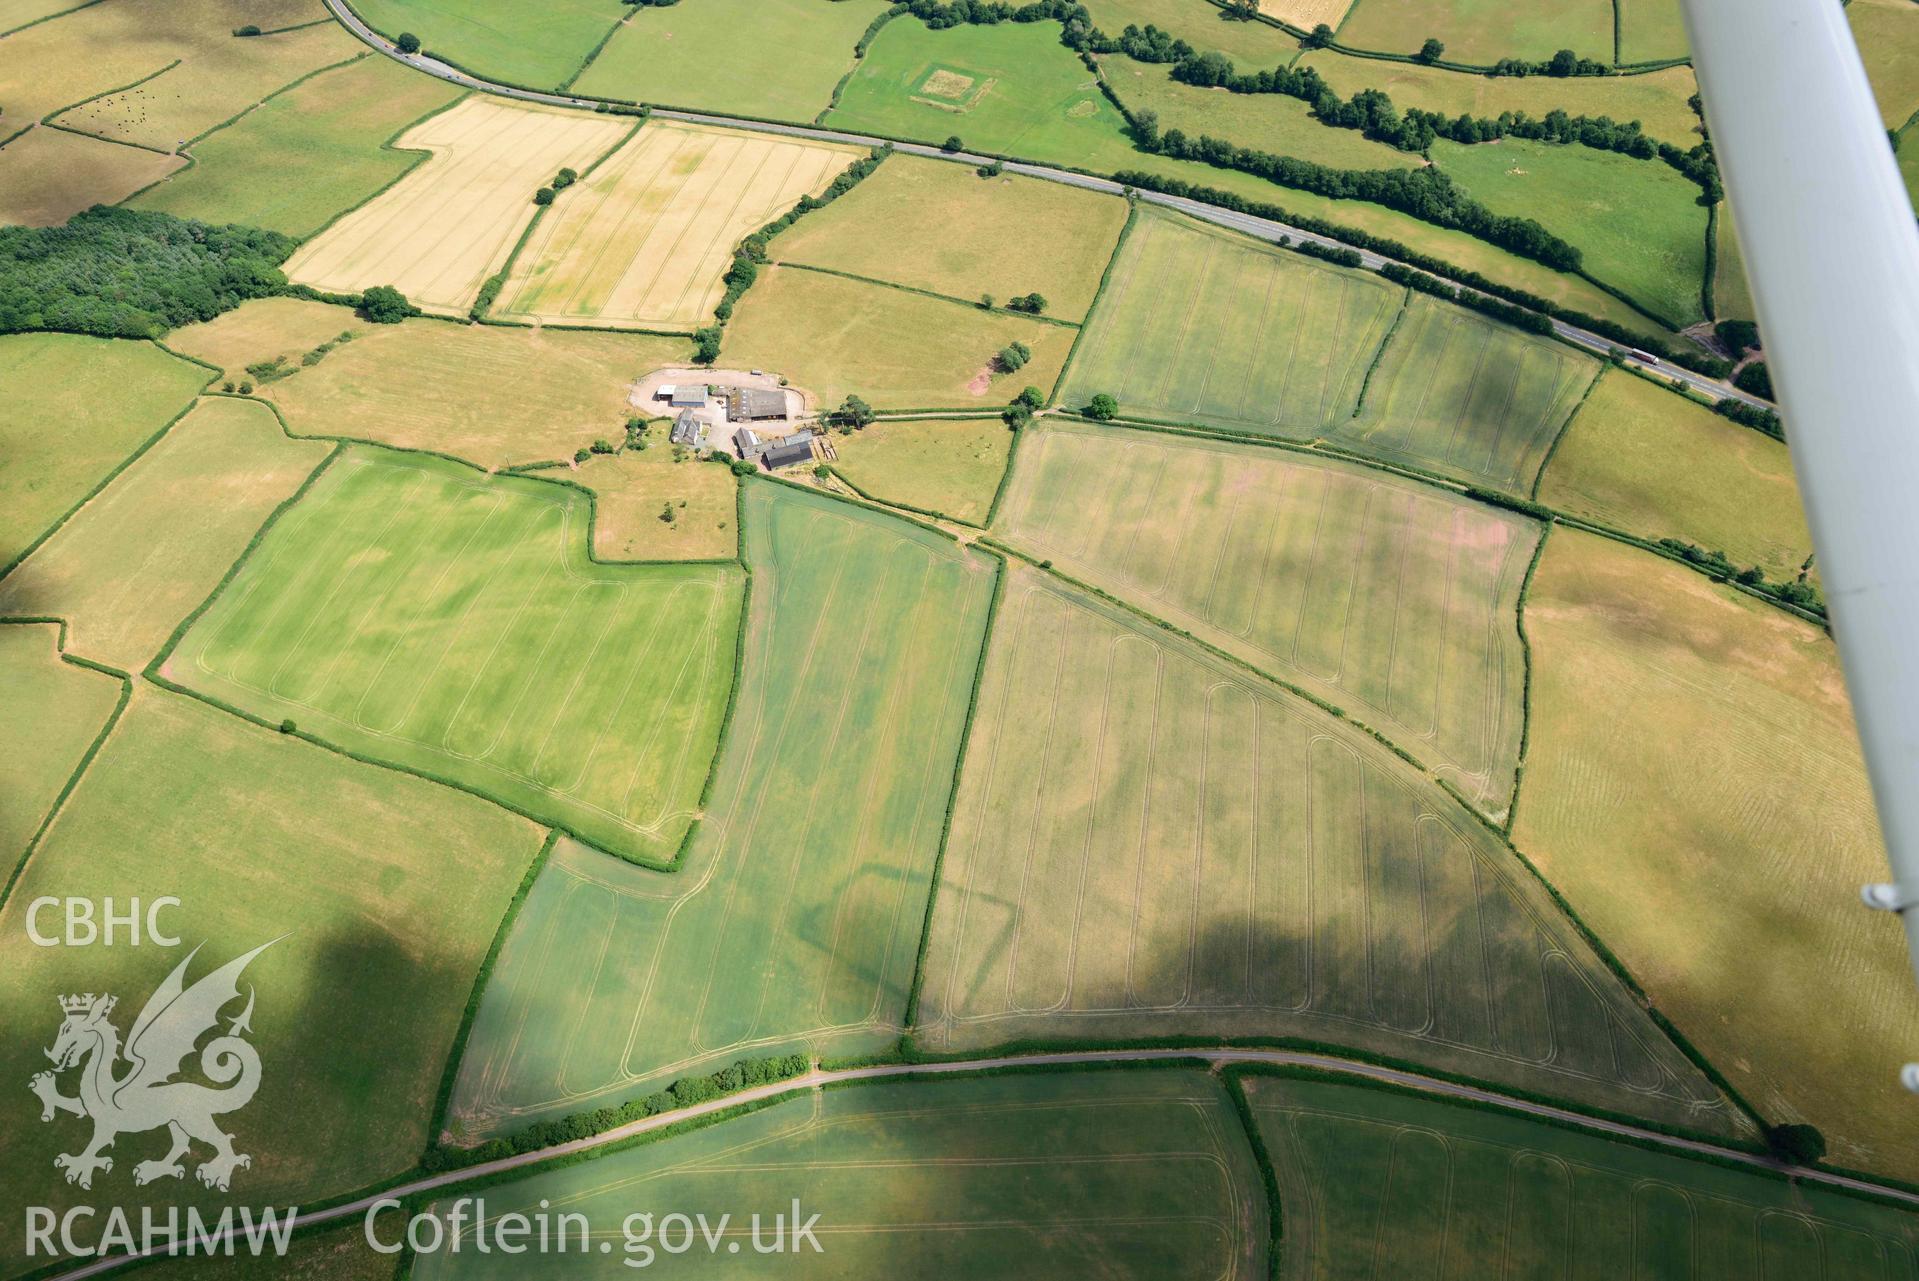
<point x="260" y="330"/>
<point x="643" y="242"/>
<point x="1307" y="13"/>
<point x="222" y="79"/>
<point x="451" y="222"/>
<point x="1695" y="790"/>
<point x="48" y="175"/>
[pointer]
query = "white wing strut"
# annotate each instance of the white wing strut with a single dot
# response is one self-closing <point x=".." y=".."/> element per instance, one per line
<point x="1832" y="254"/>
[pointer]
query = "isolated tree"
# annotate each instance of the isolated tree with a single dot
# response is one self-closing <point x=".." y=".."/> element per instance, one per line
<point x="853" y="412"/>
<point x="986" y="302"/>
<point x="1032" y="398"/>
<point x="1013" y="357"/>
<point x="1242" y="10"/>
<point x="408" y="42"/>
<point x="1319" y="37"/>
<point x="1033" y="303"/>
<point x="544" y="196"/>
<point x="383" y="305"/>
<point x="1102" y="407"/>
<point x="248" y="30"/>
<point x="1430" y="51"/>
<point x="666" y="514"/>
<point x="1796" y="1144"/>
<point x="952" y="144"/>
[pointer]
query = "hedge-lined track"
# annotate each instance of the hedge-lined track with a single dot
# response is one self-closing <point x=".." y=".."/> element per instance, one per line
<point x="1149" y="843"/>
<point x="450" y="223"/>
<point x="643" y="241"/>
<point x="1391" y="599"/>
<point x="1200" y="326"/>
<point x="795" y="917"/>
<point x="1466" y="396"/>
<point x="149" y="547"/>
<point x="419" y="613"/>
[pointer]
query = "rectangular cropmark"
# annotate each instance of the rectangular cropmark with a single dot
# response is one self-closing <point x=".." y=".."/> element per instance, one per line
<point x="419" y="613"/>
<point x="643" y="242"/>
<point x="451" y="222"/>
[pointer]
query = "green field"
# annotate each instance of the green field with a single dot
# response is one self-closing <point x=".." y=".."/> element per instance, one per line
<point x="1639" y="458"/>
<point x="538" y="46"/>
<point x="1391" y="599"/>
<point x="1638" y="223"/>
<point x="138" y="557"/>
<point x="1731" y="292"/>
<point x="305" y="155"/>
<point x="52" y="712"/>
<point x="1651" y="31"/>
<point x="898" y="350"/>
<point x="1282" y="125"/>
<point x="383" y="892"/>
<point x="939" y="226"/>
<point x="1482" y="32"/>
<point x="333" y="1254"/>
<point x="1150" y="843"/>
<point x="421" y="614"/>
<point x="1909" y="162"/>
<point x="1656" y="100"/>
<point x="1693" y="786"/>
<point x="495" y="395"/>
<point x="1887" y="33"/>
<point x="1198" y="24"/>
<point x="796" y="917"/>
<point x="950" y="466"/>
<point x="1468" y="397"/>
<point x="75" y="408"/>
<point x="774" y="59"/>
<point x="631" y="490"/>
<point x="1135" y="1174"/>
<point x="1201" y="326"/>
<point x="1383" y="1183"/>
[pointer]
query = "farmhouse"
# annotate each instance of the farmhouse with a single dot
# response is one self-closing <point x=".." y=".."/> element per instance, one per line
<point x="788" y="451"/>
<point x="690" y="430"/>
<point x="754" y="405"/>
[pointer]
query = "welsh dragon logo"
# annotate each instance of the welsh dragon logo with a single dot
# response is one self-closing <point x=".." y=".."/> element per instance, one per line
<point x="146" y="1096"/>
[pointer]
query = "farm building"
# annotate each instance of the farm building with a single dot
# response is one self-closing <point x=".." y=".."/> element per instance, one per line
<point x="689" y="430"/>
<point x="685" y="396"/>
<point x="788" y="452"/>
<point x="747" y="441"/>
<point x="753" y="405"/>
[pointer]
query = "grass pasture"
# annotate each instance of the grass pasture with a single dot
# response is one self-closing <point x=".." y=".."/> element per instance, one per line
<point x="303" y="156"/>
<point x="1651" y="31"/>
<point x="142" y="553"/>
<point x="939" y="226"/>
<point x="642" y="242"/>
<point x="899" y="350"/>
<point x="1639" y="458"/>
<point x="1638" y="223"/>
<point x="1149" y="843"/>
<point x="49" y="175"/>
<point x="74" y="409"/>
<point x="332" y="1254"/>
<point x="411" y="610"/>
<point x="1204" y="327"/>
<point x="224" y="78"/>
<point x="1469" y="397"/>
<point x="451" y="222"/>
<point x="1693" y="746"/>
<point x="492" y="394"/>
<point x="1657" y="100"/>
<point x="1133" y="1174"/>
<point x="1887" y="33"/>
<point x="539" y="47"/>
<point x="1731" y="292"/>
<point x="795" y="919"/>
<point x="1482" y="32"/>
<point x="952" y="466"/>
<point x="1391" y="599"/>
<point x="384" y="893"/>
<point x="693" y="56"/>
<point x="630" y="490"/>
<point x="1205" y="27"/>
<point x="1384" y="1183"/>
<point x="52" y="712"/>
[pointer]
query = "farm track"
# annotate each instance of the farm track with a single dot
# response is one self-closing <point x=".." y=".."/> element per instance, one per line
<point x="1262" y="228"/>
<point x="1215" y="1057"/>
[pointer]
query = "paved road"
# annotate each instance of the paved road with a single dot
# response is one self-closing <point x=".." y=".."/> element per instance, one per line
<point x="1263" y="228"/>
<point x="1220" y="1057"/>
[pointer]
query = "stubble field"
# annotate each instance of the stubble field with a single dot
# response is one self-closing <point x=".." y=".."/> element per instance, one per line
<point x="1200" y="326"/>
<point x="1148" y="843"/>
<point x="452" y="221"/>
<point x="1394" y="600"/>
<point x="795" y="918"/>
<point x="52" y="712"/>
<point x="643" y="242"/>
<point x="417" y="612"/>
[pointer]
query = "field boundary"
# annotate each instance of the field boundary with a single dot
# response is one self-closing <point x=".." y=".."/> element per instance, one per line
<point x="443" y="1099"/>
<point x="86" y="758"/>
<point x="1545" y="459"/>
<point x="1526" y="679"/>
<point x="1005" y="478"/>
<point x="911" y="1015"/>
<point x="49" y="17"/>
<point x="1092" y="310"/>
<point x="1268" y="1174"/>
<point x="860" y="47"/>
<point x="928" y="512"/>
<point x="420" y="156"/>
<point x="925" y="293"/>
<point x="1372" y="367"/>
<point x="592" y="54"/>
<point x="122" y="465"/>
